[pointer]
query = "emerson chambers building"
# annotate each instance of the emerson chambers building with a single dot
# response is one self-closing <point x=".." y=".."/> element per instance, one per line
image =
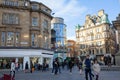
<point x="25" y="32"/>
<point x="96" y="37"/>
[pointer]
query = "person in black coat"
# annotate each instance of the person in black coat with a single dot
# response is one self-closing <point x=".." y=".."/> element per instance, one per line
<point x="71" y="63"/>
<point x="26" y="67"/>
<point x="88" y="68"/>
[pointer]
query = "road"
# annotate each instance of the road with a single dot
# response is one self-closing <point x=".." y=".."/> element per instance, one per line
<point x="65" y="75"/>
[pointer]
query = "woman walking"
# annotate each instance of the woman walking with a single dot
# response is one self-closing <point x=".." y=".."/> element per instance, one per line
<point x="96" y="69"/>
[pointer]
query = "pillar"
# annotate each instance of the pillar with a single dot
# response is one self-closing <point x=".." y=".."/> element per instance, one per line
<point x="16" y="60"/>
<point x="40" y="60"/>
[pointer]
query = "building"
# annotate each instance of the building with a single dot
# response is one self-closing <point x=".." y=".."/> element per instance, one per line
<point x="96" y="37"/>
<point x="60" y="28"/>
<point x="60" y="36"/>
<point x="116" y="24"/>
<point x="71" y="46"/>
<point x="25" y="25"/>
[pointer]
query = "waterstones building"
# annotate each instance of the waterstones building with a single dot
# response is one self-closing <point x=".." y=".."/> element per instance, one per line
<point x="25" y="32"/>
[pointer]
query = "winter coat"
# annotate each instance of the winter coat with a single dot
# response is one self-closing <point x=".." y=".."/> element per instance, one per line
<point x="12" y="66"/>
<point x="96" y="68"/>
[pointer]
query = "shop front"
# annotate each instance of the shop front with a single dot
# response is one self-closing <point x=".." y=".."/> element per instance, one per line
<point x="22" y="56"/>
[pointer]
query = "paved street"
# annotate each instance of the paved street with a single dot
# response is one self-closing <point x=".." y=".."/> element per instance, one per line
<point x="65" y="75"/>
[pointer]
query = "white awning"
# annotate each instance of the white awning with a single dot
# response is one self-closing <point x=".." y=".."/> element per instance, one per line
<point x="24" y="52"/>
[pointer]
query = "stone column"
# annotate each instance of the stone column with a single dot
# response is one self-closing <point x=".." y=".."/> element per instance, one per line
<point x="16" y="60"/>
<point x="50" y="64"/>
<point x="26" y="59"/>
<point x="40" y="60"/>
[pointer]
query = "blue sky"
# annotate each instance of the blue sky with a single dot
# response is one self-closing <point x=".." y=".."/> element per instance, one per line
<point x="74" y="11"/>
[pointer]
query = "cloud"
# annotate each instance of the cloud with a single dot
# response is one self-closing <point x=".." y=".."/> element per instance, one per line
<point x="70" y="10"/>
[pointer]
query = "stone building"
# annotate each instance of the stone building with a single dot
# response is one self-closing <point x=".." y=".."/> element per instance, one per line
<point x="116" y="24"/>
<point x="71" y="46"/>
<point x="96" y="37"/>
<point x="25" y="24"/>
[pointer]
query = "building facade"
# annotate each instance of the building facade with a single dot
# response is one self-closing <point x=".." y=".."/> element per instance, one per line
<point x="116" y="24"/>
<point x="71" y="48"/>
<point x="25" y="23"/>
<point x="96" y="37"/>
<point x="60" y="28"/>
<point x="58" y="25"/>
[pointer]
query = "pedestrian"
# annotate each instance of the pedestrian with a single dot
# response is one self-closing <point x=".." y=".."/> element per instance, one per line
<point x="109" y="61"/>
<point x="80" y="66"/>
<point x="96" y="69"/>
<point x="31" y="66"/>
<point x="16" y="66"/>
<point x="87" y="64"/>
<point x="71" y="65"/>
<point x="56" y="66"/>
<point x="53" y="66"/>
<point x="26" y="67"/>
<point x="12" y="72"/>
<point x="59" y="66"/>
<point x="63" y="64"/>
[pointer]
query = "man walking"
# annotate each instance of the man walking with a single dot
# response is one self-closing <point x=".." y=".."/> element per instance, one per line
<point x="88" y="68"/>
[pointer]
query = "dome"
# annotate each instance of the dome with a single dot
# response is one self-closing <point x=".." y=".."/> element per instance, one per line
<point x="104" y="19"/>
<point x="78" y="27"/>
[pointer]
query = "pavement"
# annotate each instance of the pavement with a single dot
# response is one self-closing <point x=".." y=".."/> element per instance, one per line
<point x="64" y="75"/>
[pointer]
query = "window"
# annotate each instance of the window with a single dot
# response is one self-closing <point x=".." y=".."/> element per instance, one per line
<point x="34" y="40"/>
<point x="46" y="45"/>
<point x="34" y="21"/>
<point x="97" y="30"/>
<point x="99" y="43"/>
<point x="101" y="51"/>
<point x="10" y="18"/>
<point x="45" y="24"/>
<point x="3" y="39"/>
<point x="97" y="51"/>
<point x="92" y="37"/>
<point x="10" y="3"/>
<point x="17" y="38"/>
<point x="104" y="28"/>
<point x="34" y="7"/>
<point x="10" y="38"/>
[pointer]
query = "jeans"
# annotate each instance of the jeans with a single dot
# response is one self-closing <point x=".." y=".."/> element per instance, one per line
<point x="88" y="71"/>
<point x="12" y="73"/>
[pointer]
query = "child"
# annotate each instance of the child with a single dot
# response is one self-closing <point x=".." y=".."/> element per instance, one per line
<point x="96" y="69"/>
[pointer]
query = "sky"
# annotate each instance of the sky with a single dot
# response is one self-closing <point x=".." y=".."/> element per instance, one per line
<point x="74" y="11"/>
